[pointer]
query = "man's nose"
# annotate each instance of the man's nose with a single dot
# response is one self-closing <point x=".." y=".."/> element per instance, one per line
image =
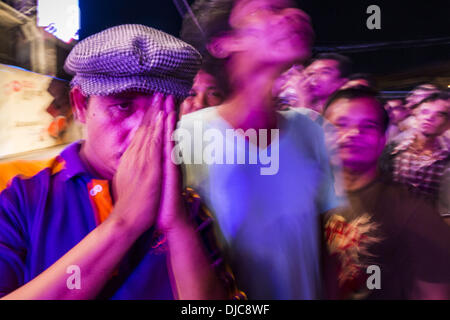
<point x="200" y="101"/>
<point x="294" y="14"/>
<point x="131" y="134"/>
<point x="429" y="118"/>
<point x="312" y="78"/>
<point x="351" y="133"/>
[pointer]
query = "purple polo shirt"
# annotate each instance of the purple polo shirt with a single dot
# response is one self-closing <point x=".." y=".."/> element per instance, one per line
<point x="44" y="216"/>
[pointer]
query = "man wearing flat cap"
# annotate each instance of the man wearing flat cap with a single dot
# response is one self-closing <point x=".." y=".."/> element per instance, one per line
<point x="106" y="218"/>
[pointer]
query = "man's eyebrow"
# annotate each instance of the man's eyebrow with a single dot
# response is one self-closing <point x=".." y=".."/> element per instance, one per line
<point x="342" y="118"/>
<point x="111" y="100"/>
<point x="121" y="97"/>
<point x="372" y="121"/>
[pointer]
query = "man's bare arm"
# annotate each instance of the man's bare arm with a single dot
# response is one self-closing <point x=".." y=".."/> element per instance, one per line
<point x="95" y="259"/>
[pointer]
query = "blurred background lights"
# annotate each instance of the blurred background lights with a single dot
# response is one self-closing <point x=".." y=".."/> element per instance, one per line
<point x="60" y="18"/>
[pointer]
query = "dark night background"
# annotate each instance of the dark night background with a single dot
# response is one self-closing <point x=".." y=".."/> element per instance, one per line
<point x="336" y="23"/>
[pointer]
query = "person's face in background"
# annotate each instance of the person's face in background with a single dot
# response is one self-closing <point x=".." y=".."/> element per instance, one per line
<point x="205" y="92"/>
<point x="397" y="111"/>
<point x="286" y="86"/>
<point x="354" y="133"/>
<point x="272" y="31"/>
<point x="433" y="117"/>
<point x="323" y="78"/>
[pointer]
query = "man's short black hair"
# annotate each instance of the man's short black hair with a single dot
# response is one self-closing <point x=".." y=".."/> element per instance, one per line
<point x="364" y="76"/>
<point x="345" y="65"/>
<point x="355" y="93"/>
<point x="426" y="86"/>
<point x="442" y="95"/>
<point x="212" y="20"/>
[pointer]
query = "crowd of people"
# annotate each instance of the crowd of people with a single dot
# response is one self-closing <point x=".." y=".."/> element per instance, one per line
<point x="361" y="183"/>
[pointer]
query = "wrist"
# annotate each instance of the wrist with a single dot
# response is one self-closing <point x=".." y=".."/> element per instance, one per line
<point x="179" y="224"/>
<point x="182" y="232"/>
<point x="122" y="224"/>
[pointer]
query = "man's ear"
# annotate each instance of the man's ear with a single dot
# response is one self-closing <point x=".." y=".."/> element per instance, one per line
<point x="79" y="104"/>
<point x="223" y="45"/>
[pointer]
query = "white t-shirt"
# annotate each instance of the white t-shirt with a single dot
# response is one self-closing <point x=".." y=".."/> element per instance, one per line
<point x="268" y="225"/>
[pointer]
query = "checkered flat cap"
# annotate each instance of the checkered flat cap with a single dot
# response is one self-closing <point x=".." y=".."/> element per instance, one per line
<point x="133" y="57"/>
